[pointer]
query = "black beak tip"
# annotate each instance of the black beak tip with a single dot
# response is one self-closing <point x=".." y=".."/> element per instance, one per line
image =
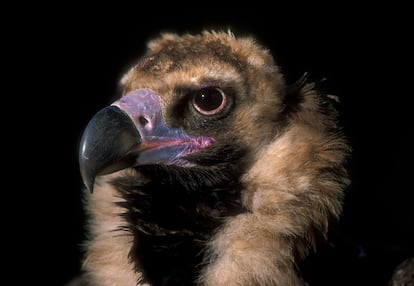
<point x="87" y="171"/>
<point x="89" y="185"/>
<point x="108" y="144"/>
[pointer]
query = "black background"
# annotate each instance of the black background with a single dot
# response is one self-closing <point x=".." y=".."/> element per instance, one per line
<point x="71" y="58"/>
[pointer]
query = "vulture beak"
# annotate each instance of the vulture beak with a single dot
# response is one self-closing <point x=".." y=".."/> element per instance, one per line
<point x="132" y="132"/>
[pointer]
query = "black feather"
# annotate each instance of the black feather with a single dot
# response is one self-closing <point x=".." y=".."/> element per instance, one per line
<point x="172" y="212"/>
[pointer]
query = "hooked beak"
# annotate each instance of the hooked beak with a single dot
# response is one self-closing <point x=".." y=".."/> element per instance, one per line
<point x="132" y="132"/>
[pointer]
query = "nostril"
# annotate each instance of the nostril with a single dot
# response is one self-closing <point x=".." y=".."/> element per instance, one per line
<point x="143" y="121"/>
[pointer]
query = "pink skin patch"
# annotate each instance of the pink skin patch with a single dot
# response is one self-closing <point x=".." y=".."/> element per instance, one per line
<point x="159" y="143"/>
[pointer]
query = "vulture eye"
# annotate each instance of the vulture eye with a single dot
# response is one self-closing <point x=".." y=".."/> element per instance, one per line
<point x="209" y="101"/>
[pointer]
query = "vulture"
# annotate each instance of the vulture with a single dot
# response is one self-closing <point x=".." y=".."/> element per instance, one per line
<point x="209" y="169"/>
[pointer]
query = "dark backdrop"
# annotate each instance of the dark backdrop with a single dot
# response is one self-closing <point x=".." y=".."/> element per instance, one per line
<point x="73" y="57"/>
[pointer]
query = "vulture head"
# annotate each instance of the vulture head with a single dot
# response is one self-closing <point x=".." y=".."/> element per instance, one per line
<point x="209" y="170"/>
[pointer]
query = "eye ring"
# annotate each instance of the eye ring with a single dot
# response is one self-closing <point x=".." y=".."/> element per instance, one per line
<point x="209" y="100"/>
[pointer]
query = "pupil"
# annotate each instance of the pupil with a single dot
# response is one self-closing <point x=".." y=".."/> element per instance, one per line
<point x="209" y="99"/>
